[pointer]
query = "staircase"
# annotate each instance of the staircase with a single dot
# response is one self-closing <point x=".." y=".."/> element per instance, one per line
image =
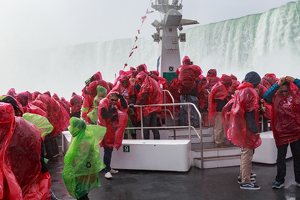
<point x="212" y="157"/>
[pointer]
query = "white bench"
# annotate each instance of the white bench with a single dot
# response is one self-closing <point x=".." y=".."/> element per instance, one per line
<point x="165" y="155"/>
<point x="267" y="151"/>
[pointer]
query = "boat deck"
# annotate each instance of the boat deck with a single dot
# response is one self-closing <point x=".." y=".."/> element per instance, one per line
<point x="196" y="184"/>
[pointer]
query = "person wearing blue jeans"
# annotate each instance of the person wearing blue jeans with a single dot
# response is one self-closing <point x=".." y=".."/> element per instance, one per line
<point x="184" y="109"/>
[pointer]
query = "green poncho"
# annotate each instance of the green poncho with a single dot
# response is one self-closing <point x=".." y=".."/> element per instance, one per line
<point x="82" y="160"/>
<point x="101" y="93"/>
<point x="39" y="121"/>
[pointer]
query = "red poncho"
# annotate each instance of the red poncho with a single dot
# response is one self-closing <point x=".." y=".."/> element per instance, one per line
<point x="20" y="169"/>
<point x="187" y="75"/>
<point x="268" y="80"/>
<point x="219" y="91"/>
<point x="211" y="79"/>
<point x="268" y="107"/>
<point x="173" y="88"/>
<point x="126" y="92"/>
<point x="56" y="114"/>
<point x="88" y="104"/>
<point x="150" y="86"/>
<point x="115" y="130"/>
<point x="285" y="121"/>
<point x="76" y="103"/>
<point x="245" y="100"/>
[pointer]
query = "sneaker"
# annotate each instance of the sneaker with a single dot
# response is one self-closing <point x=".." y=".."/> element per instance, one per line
<point x="298" y="184"/>
<point x="277" y="185"/>
<point x="108" y="175"/>
<point x="247" y="186"/>
<point x="251" y="179"/>
<point x="112" y="171"/>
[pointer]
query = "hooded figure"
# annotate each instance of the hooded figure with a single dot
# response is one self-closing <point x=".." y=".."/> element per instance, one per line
<point x="187" y="87"/>
<point x="112" y="114"/>
<point x="82" y="160"/>
<point x="150" y="93"/>
<point x="23" y="176"/>
<point x="234" y="85"/>
<point x="243" y="125"/>
<point x="76" y="104"/>
<point x="268" y="80"/>
<point x="101" y="93"/>
<point x="126" y="88"/>
<point x="285" y="124"/>
<point x="29" y="107"/>
<point x="90" y="92"/>
<point x="218" y="98"/>
<point x="211" y="79"/>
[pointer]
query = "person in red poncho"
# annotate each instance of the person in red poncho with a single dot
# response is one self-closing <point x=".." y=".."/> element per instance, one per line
<point x="285" y="124"/>
<point x="187" y="88"/>
<point x="218" y="98"/>
<point x="211" y="79"/>
<point x="234" y="85"/>
<point x="150" y="93"/>
<point x="112" y="114"/>
<point x="23" y="170"/>
<point x="242" y="129"/>
<point x="269" y="80"/>
<point x="127" y="89"/>
<point x="90" y="92"/>
<point x="76" y="104"/>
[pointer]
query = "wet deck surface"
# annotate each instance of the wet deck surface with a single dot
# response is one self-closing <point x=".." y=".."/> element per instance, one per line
<point x="196" y="184"/>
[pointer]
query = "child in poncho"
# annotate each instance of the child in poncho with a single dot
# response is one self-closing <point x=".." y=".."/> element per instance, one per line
<point x="82" y="160"/>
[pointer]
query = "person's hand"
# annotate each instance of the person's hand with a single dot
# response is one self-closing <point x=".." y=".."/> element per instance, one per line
<point x="131" y="105"/>
<point x="281" y="81"/>
<point x="289" y="79"/>
<point x="257" y="134"/>
<point x="114" y="118"/>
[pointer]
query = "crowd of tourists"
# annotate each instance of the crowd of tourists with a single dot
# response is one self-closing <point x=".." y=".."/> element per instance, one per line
<point x="99" y="115"/>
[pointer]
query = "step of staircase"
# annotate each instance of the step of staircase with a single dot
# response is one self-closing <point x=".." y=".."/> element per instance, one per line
<point x="214" y="157"/>
<point x="216" y="162"/>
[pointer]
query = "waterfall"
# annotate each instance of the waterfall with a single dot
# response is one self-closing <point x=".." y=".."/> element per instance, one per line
<point x="266" y="43"/>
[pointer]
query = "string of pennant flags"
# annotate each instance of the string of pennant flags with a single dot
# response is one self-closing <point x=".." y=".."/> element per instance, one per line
<point x="134" y="47"/>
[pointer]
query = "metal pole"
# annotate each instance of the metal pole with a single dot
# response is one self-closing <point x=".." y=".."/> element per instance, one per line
<point x="165" y="108"/>
<point x="142" y="130"/>
<point x="189" y="116"/>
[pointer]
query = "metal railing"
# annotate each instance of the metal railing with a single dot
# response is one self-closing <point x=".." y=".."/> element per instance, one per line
<point x="200" y="136"/>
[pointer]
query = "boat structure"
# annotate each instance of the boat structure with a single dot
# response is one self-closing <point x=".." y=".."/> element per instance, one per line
<point x="179" y="147"/>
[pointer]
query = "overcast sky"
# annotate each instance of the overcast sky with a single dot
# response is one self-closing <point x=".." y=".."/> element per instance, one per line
<point x="54" y="23"/>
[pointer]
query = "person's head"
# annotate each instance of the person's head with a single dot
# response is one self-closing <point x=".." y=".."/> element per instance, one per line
<point x="253" y="78"/>
<point x="124" y="80"/>
<point x="141" y="77"/>
<point x="13" y="102"/>
<point x="212" y="73"/>
<point x="186" y="61"/>
<point x="226" y="80"/>
<point x="141" y="68"/>
<point x="113" y="97"/>
<point x="284" y="89"/>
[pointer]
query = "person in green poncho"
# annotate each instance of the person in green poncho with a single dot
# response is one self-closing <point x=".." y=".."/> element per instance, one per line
<point x="82" y="160"/>
<point x="101" y="93"/>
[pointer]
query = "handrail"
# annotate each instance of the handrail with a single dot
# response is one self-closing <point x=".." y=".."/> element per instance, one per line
<point x="200" y="136"/>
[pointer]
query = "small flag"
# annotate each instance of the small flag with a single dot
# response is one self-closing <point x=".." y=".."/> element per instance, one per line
<point x="148" y="12"/>
<point x="131" y="54"/>
<point x="134" y="48"/>
<point x="136" y="38"/>
<point x="139" y="32"/>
